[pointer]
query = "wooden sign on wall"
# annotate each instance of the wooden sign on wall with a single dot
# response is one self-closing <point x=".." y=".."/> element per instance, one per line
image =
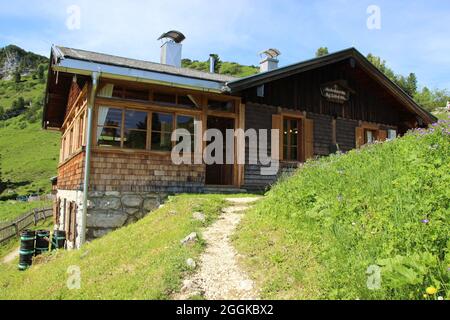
<point x="335" y="92"/>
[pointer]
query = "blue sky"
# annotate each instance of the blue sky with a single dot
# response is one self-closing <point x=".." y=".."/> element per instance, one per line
<point x="414" y="35"/>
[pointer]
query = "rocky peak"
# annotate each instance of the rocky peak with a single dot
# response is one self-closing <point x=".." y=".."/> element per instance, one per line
<point x="13" y="58"/>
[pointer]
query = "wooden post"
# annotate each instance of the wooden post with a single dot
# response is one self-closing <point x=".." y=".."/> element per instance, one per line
<point x="16" y="227"/>
<point x="35" y="216"/>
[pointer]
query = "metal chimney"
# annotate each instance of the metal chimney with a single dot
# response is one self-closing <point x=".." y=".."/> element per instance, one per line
<point x="171" y="48"/>
<point x="212" y="63"/>
<point x="269" y="60"/>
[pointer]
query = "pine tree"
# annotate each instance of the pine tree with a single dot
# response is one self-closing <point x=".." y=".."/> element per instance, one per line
<point x="17" y="76"/>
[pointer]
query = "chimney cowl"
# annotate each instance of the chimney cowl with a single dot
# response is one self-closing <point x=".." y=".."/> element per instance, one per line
<point x="171" y="48"/>
<point x="269" y="60"/>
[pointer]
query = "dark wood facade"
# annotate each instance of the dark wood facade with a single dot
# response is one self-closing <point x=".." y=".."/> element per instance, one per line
<point x="369" y="101"/>
<point x="336" y="126"/>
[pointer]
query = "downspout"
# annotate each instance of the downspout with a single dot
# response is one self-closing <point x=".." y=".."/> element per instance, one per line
<point x="87" y="161"/>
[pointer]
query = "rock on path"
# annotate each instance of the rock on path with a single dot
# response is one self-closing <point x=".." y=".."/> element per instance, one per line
<point x="219" y="276"/>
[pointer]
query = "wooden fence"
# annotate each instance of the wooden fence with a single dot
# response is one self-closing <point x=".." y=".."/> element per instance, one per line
<point x="12" y="229"/>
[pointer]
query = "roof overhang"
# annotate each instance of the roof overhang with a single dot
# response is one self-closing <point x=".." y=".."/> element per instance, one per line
<point x="80" y="67"/>
<point x="265" y="77"/>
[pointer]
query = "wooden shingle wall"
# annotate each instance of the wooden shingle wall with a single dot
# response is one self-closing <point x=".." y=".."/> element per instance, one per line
<point x="70" y="173"/>
<point x="143" y="172"/>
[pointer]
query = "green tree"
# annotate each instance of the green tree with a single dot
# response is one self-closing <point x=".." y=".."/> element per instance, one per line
<point x="17" y="76"/>
<point x="41" y="72"/>
<point x="432" y="99"/>
<point x="18" y="104"/>
<point x="322" y="51"/>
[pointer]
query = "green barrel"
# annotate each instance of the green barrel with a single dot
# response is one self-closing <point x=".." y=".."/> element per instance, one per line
<point x="58" y="240"/>
<point x="42" y="241"/>
<point x="27" y="240"/>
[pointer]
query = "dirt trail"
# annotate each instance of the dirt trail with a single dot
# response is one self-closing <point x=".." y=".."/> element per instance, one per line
<point x="11" y="256"/>
<point x="219" y="276"/>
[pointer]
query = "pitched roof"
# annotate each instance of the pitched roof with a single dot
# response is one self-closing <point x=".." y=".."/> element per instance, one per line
<point x="77" y="54"/>
<point x="283" y="72"/>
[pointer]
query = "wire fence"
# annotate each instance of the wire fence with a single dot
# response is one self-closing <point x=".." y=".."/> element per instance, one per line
<point x="12" y="229"/>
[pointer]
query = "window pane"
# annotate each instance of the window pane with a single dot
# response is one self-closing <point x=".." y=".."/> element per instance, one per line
<point x="227" y="106"/>
<point x="162" y="122"/>
<point x="392" y="134"/>
<point x="135" y="120"/>
<point x="285" y="153"/>
<point x="109" y="117"/>
<point x="294" y="154"/>
<point x="132" y="94"/>
<point x="185" y="122"/>
<point x="185" y="101"/>
<point x="294" y="137"/>
<point x="370" y="136"/>
<point x="165" y="98"/>
<point x="135" y="139"/>
<point x="294" y="125"/>
<point x="161" y="141"/>
<point x="109" y="137"/>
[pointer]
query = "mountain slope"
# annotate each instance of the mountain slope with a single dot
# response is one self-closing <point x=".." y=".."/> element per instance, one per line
<point x="325" y="232"/>
<point x="29" y="157"/>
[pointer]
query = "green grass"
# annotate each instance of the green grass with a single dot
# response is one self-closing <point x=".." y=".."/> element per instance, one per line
<point x="29" y="156"/>
<point x="316" y="234"/>
<point x="9" y="210"/>
<point x="142" y="261"/>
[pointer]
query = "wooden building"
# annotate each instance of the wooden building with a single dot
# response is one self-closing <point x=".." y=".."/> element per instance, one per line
<point x="116" y="116"/>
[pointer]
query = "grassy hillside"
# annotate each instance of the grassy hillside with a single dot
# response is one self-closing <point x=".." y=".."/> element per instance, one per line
<point x="31" y="90"/>
<point x="28" y="156"/>
<point x="222" y="67"/>
<point x="142" y="261"/>
<point x="324" y="232"/>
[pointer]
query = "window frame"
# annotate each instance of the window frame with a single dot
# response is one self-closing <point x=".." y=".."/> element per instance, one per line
<point x="150" y="111"/>
<point x="289" y="145"/>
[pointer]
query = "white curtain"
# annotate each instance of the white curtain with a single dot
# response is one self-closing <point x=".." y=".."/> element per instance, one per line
<point x="105" y="92"/>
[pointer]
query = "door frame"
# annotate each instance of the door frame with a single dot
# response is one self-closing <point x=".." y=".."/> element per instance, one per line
<point x="234" y="117"/>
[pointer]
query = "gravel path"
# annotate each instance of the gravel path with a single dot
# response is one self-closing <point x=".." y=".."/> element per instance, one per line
<point x="219" y="276"/>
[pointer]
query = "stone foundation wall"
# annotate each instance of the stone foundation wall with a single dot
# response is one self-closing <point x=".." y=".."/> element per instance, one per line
<point x="111" y="210"/>
<point x="70" y="196"/>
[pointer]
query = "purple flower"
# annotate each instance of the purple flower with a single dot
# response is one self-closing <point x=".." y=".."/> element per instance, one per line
<point x="425" y="221"/>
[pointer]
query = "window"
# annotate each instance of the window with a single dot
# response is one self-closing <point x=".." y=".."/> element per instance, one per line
<point x="392" y="134"/>
<point x="260" y="91"/>
<point x="370" y="136"/>
<point x="291" y="140"/>
<point x="109" y="127"/>
<point x="135" y="130"/>
<point x="225" y="106"/>
<point x="187" y="101"/>
<point x="80" y="133"/>
<point x="165" y="98"/>
<point x="130" y="94"/>
<point x="162" y="127"/>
